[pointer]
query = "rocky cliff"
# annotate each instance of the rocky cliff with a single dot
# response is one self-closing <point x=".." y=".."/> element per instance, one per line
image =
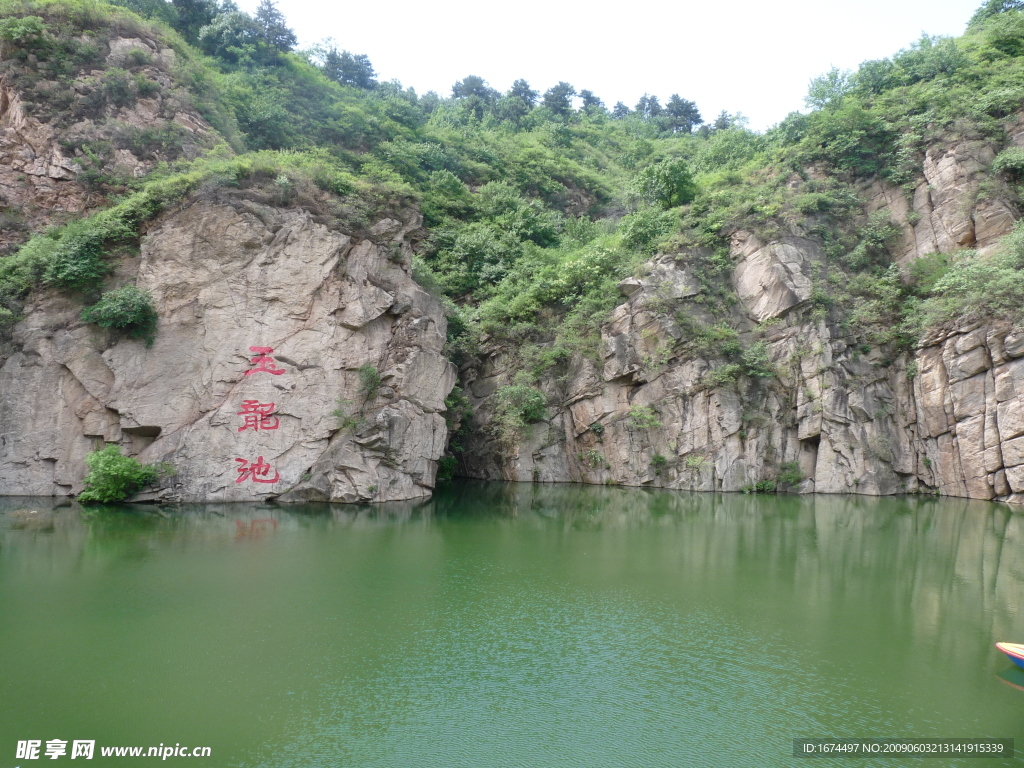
<point x="836" y="416"/>
<point x="291" y="360"/>
<point x="67" y="142"/>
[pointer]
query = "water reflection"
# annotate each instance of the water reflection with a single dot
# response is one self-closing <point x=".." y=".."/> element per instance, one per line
<point x="1013" y="677"/>
<point x="559" y="625"/>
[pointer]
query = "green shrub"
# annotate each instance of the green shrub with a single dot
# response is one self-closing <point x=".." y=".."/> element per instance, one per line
<point x="761" y="486"/>
<point x="812" y="202"/>
<point x="668" y="183"/>
<point x="975" y="286"/>
<point x="138" y="57"/>
<point x="710" y="340"/>
<point x="346" y="420"/>
<point x="77" y="264"/>
<point x="446" y="467"/>
<point x="520" y="405"/>
<point x="1011" y="162"/>
<point x="369" y="381"/>
<point x="641" y="231"/>
<point x="697" y="462"/>
<point x="21" y="30"/>
<point x="113" y="477"/>
<point x="643" y="417"/>
<point x="723" y="375"/>
<point x="790" y="473"/>
<point x="756" y="362"/>
<point x="126" y="308"/>
<point x="119" y="87"/>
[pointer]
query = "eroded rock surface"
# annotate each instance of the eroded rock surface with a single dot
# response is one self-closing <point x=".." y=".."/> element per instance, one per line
<point x="947" y="418"/>
<point x="42" y="165"/>
<point x="225" y="278"/>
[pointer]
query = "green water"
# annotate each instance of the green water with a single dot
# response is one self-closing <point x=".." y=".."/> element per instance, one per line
<point x="510" y="625"/>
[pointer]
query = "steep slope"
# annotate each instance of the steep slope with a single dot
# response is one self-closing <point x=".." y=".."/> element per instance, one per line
<point x="817" y="410"/>
<point x="86" y="106"/>
<point x="341" y="404"/>
<point x="630" y="297"/>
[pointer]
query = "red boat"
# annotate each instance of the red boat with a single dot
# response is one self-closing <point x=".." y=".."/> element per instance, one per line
<point x="1015" y="651"/>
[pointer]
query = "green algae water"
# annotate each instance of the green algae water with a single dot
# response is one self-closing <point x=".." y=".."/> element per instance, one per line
<point x="510" y="625"/>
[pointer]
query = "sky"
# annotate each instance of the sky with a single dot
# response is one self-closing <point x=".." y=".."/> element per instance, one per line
<point x="755" y="58"/>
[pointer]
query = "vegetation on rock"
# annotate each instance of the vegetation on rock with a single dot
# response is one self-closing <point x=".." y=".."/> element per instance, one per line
<point x="114" y="477"/>
<point x="536" y="204"/>
<point x="125" y="308"/>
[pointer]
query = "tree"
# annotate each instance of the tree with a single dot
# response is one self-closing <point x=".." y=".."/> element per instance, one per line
<point x="723" y="122"/>
<point x="620" y="110"/>
<point x="874" y="76"/>
<point x="828" y="89"/>
<point x="590" y="101"/>
<point x="275" y="31"/>
<point x="113" y="477"/>
<point x="521" y="90"/>
<point x="474" y="85"/>
<point x="193" y="15"/>
<point x="648" y="107"/>
<point x="668" y="183"/>
<point x="558" y="98"/>
<point x="230" y="36"/>
<point x="475" y="95"/>
<point x="992" y="8"/>
<point x="349" y="69"/>
<point x="516" y="104"/>
<point x="684" y="115"/>
<point x="128" y="309"/>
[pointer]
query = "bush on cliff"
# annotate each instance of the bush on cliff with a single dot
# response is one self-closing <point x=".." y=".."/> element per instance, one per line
<point x="517" y="406"/>
<point x="978" y="287"/>
<point x="113" y="477"/>
<point x="126" y="308"/>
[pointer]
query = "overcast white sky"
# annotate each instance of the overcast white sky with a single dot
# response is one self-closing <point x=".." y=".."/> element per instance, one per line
<point x="740" y="56"/>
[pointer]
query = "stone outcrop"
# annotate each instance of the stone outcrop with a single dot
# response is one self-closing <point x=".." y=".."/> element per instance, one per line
<point x="947" y="418"/>
<point x="356" y="412"/>
<point x="943" y="213"/>
<point x="42" y="163"/>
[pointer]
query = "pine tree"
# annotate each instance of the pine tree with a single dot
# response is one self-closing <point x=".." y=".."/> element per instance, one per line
<point x="590" y="101"/>
<point x="193" y="15"/>
<point x="683" y="113"/>
<point x="522" y="90"/>
<point x="648" y="107"/>
<point x="275" y="31"/>
<point x="558" y="98"/>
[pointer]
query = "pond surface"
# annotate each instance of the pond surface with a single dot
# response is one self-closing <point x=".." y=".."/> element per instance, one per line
<point x="510" y="625"/>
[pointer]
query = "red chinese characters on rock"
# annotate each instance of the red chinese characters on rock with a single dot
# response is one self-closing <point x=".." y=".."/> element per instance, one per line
<point x="258" y="416"/>
<point x="263" y="362"/>
<point x="258" y="471"/>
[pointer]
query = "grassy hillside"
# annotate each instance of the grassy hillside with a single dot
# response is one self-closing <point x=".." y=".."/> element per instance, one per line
<point x="535" y="204"/>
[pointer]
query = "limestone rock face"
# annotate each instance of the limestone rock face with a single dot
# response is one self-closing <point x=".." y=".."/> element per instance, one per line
<point x="947" y="419"/>
<point x="836" y="417"/>
<point x="290" y="360"/>
<point x="40" y="179"/>
<point x="30" y="154"/>
<point x="773" y="277"/>
<point x="944" y="214"/>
